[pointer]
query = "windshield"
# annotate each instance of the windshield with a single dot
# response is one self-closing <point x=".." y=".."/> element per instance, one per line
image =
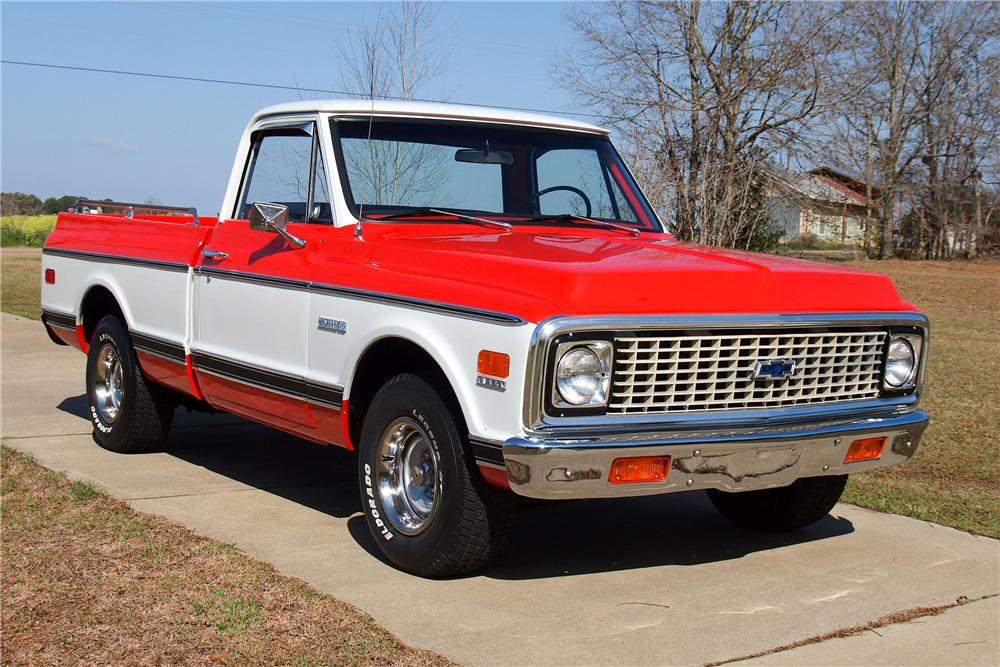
<point x="501" y="172"/>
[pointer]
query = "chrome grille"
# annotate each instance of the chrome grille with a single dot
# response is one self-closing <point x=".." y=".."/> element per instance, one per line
<point x="680" y="372"/>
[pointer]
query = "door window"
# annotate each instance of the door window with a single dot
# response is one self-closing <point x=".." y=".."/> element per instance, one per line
<point x="280" y="171"/>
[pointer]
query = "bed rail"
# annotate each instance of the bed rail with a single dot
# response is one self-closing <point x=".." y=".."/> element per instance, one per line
<point x="130" y="209"/>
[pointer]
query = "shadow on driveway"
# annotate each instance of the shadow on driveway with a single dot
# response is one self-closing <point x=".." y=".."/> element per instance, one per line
<point x="548" y="539"/>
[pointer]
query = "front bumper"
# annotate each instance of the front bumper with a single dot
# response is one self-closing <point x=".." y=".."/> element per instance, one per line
<point x="578" y="467"/>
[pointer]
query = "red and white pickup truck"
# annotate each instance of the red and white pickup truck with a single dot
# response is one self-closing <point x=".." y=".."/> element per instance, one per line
<point x="482" y="303"/>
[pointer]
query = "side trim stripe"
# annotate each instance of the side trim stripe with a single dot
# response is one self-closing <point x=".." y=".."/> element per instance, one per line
<point x="487" y="451"/>
<point x="57" y="319"/>
<point x="281" y="383"/>
<point x="453" y="310"/>
<point x="364" y="295"/>
<point x="115" y="259"/>
<point x="158" y="347"/>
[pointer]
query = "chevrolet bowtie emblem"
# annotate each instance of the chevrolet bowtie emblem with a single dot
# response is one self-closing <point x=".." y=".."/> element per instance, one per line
<point x="773" y="369"/>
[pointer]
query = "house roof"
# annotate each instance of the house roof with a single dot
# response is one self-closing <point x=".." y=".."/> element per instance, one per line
<point x="850" y="187"/>
<point x="407" y="109"/>
<point x="824" y="185"/>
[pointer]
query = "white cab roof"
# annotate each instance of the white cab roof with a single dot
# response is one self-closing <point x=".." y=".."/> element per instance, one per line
<point x="428" y="110"/>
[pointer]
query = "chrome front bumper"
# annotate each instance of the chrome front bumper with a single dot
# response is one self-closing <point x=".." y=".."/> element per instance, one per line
<point x="578" y="467"/>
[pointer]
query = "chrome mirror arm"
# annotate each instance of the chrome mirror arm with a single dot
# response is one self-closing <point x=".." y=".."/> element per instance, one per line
<point x="292" y="239"/>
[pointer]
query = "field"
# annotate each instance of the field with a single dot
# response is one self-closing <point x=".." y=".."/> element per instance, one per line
<point x="20" y="282"/>
<point x="955" y="477"/>
<point x="89" y="580"/>
<point x="25" y="230"/>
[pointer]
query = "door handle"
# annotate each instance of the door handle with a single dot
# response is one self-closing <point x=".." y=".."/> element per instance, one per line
<point x="217" y="255"/>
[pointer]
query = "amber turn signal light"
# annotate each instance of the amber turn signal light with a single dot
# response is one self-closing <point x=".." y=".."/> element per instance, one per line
<point x="638" y="469"/>
<point x="494" y="364"/>
<point x="865" y="449"/>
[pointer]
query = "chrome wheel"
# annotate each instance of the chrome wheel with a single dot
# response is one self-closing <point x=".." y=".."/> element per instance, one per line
<point x="408" y="480"/>
<point x="108" y="383"/>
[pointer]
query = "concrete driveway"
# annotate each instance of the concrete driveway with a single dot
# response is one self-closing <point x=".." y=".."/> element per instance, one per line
<point x="662" y="580"/>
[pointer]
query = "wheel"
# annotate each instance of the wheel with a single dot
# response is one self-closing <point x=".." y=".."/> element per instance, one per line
<point x="129" y="415"/>
<point x="429" y="509"/>
<point x="803" y="502"/>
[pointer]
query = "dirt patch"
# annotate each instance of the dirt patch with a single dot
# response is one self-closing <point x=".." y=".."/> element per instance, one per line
<point x="88" y="580"/>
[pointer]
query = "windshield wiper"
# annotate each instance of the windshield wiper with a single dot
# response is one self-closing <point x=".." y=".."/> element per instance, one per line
<point x="483" y="222"/>
<point x="572" y="217"/>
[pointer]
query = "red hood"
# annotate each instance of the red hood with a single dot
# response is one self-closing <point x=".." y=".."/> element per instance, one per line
<point x="541" y="272"/>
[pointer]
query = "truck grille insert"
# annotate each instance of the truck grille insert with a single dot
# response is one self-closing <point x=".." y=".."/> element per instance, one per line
<point x="680" y="372"/>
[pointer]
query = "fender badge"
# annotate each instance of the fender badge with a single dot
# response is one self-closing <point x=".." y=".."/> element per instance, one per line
<point x="491" y="383"/>
<point x="332" y="325"/>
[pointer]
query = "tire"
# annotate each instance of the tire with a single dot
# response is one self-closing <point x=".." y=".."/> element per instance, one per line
<point x="453" y="522"/>
<point x="138" y="416"/>
<point x="803" y="502"/>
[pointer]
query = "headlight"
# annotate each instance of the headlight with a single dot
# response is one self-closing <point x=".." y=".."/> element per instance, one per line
<point x="901" y="360"/>
<point x="583" y="374"/>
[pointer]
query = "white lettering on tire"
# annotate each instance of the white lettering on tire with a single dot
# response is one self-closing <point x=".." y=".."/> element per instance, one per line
<point x="373" y="510"/>
<point x="98" y="424"/>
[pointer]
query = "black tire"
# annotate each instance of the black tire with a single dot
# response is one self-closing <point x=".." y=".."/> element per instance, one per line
<point x="470" y="519"/>
<point x="803" y="502"/>
<point x="145" y="410"/>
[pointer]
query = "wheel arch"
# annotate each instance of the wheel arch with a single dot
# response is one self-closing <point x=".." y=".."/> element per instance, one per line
<point x="97" y="299"/>
<point x="389" y="355"/>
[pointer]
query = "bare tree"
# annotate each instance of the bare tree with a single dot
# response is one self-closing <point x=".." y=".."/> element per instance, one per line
<point x="912" y="106"/>
<point x="397" y="58"/>
<point x="702" y="93"/>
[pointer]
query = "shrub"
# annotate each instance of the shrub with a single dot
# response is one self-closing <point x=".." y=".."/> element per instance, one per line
<point x="25" y="230"/>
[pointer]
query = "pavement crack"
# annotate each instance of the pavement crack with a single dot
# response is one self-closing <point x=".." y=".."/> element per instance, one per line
<point x="894" y="618"/>
<point x="645" y="604"/>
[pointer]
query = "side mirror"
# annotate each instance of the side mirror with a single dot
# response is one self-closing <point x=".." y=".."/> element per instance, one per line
<point x="266" y="217"/>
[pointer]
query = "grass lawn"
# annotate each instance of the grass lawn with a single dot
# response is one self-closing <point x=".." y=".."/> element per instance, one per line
<point x="955" y="477"/>
<point x="20" y="283"/>
<point x="87" y="580"/>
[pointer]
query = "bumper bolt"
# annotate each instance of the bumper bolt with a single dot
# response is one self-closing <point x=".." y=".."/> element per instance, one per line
<point x="697" y="452"/>
<point x="825" y="468"/>
<point x="690" y="482"/>
<point x="836" y="442"/>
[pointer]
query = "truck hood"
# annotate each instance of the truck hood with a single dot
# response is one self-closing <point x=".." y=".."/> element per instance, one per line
<point x="559" y="271"/>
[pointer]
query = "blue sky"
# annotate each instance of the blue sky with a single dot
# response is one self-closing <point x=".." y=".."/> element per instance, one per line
<point x="105" y="135"/>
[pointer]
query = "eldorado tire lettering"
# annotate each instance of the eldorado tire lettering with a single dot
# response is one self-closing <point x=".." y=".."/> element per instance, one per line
<point x="372" y="507"/>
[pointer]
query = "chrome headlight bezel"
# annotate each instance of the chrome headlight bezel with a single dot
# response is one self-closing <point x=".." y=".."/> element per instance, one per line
<point x="915" y="341"/>
<point x="603" y="352"/>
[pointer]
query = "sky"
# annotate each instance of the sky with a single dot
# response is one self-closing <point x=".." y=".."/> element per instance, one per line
<point x="128" y="138"/>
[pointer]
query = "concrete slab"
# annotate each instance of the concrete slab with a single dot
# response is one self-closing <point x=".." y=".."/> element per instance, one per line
<point x="967" y="633"/>
<point x="645" y="581"/>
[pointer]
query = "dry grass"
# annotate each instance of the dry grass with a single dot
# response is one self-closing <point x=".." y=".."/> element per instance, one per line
<point x="955" y="477"/>
<point x="20" y="284"/>
<point x="87" y="580"/>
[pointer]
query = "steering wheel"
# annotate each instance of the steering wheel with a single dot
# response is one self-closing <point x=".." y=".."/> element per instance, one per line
<point x="568" y="188"/>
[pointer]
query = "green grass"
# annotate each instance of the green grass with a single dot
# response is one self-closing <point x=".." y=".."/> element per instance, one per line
<point x="82" y="491"/>
<point x="21" y="285"/>
<point x="25" y="230"/>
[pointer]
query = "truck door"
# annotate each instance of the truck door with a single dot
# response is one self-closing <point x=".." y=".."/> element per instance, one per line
<point x="251" y="289"/>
